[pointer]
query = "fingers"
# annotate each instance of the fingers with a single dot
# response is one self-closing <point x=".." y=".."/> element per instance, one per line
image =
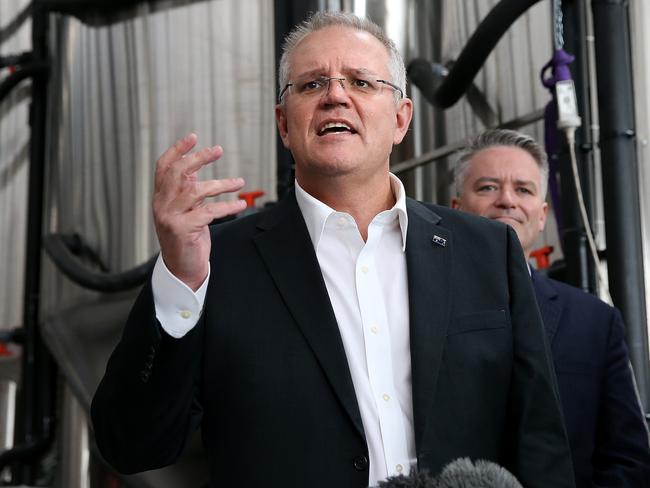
<point x="191" y="163"/>
<point x="216" y="210"/>
<point x="180" y="197"/>
<point x="197" y="218"/>
<point x="177" y="161"/>
<point x="175" y="152"/>
<point x="200" y="190"/>
<point x="176" y="170"/>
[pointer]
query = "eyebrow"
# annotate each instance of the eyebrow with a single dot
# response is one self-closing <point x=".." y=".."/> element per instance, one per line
<point x="492" y="179"/>
<point x="348" y="71"/>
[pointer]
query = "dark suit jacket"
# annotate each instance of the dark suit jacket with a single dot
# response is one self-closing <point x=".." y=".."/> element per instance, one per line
<point x="265" y="372"/>
<point x="607" y="433"/>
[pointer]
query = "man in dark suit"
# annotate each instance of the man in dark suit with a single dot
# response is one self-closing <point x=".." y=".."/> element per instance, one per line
<point x="502" y="175"/>
<point x="346" y="334"/>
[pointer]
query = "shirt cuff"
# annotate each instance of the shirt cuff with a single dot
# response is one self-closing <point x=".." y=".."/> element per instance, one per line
<point x="178" y="308"/>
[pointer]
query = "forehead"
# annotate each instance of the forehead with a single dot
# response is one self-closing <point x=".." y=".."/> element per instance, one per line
<point x="506" y="163"/>
<point x="339" y="48"/>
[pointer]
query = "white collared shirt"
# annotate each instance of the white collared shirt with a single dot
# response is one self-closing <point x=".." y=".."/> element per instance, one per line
<point x="367" y="285"/>
<point x="368" y="289"/>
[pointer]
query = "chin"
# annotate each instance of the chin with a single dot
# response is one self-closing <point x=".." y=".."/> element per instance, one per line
<point x="332" y="164"/>
<point x="512" y="223"/>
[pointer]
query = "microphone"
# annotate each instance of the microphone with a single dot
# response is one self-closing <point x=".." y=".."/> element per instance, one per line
<point x="416" y="479"/>
<point x="461" y="473"/>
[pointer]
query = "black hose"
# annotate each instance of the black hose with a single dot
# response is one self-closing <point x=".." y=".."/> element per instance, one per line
<point x="26" y="71"/>
<point x="17" y="335"/>
<point x="27" y="450"/>
<point x="471" y="59"/>
<point x="15" y="59"/>
<point x="57" y="249"/>
<point x="78" y="246"/>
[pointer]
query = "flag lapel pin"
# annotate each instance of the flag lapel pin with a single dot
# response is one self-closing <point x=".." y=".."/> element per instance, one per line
<point x="439" y="241"/>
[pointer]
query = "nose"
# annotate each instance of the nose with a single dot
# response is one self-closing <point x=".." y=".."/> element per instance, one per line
<point x="336" y="93"/>
<point x="505" y="198"/>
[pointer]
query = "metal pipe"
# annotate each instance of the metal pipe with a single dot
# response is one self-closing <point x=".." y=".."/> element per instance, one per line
<point x="444" y="151"/>
<point x="477" y="49"/>
<point x="29" y="71"/>
<point x="38" y="368"/>
<point x="620" y="172"/>
<point x="287" y="14"/>
<point x="579" y="272"/>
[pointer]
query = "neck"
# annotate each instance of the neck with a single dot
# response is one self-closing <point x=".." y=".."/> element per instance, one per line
<point x="363" y="200"/>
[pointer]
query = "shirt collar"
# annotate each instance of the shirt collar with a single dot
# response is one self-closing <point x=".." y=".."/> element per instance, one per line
<point x="316" y="212"/>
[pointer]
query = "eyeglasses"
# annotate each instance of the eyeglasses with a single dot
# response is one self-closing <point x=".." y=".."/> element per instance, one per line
<point x="316" y="87"/>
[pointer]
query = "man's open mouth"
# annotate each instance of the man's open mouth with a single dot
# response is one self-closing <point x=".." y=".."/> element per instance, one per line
<point x="336" y="128"/>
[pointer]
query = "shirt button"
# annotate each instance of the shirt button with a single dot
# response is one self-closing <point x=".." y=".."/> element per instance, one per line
<point x="374" y="329"/>
<point x="360" y="463"/>
<point x="341" y="222"/>
<point x="386" y="397"/>
<point x="186" y="314"/>
<point x="399" y="468"/>
<point x="364" y="269"/>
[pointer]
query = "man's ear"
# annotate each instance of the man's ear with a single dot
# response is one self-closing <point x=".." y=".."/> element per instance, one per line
<point x="542" y="217"/>
<point x="403" y="119"/>
<point x="455" y="203"/>
<point x="281" y="120"/>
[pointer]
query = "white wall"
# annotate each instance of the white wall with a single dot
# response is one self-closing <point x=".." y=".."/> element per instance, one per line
<point x="14" y="161"/>
<point x="119" y="95"/>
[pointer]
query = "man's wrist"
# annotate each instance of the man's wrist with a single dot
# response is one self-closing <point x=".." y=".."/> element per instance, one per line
<point x="177" y="305"/>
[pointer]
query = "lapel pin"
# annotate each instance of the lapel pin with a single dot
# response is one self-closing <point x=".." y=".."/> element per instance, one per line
<point x="439" y="240"/>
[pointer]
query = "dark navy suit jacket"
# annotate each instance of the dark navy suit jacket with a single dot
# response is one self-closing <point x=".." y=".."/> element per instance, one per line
<point x="607" y="433"/>
<point x="265" y="373"/>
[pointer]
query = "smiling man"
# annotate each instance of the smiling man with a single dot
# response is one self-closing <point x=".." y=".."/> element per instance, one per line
<point x="345" y="335"/>
<point x="502" y="175"/>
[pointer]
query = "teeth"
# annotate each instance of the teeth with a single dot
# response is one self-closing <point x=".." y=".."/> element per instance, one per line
<point x="334" y="125"/>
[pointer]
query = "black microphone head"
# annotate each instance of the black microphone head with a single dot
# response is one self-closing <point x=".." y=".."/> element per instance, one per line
<point x="462" y="473"/>
<point x="416" y="479"/>
<point x="427" y="76"/>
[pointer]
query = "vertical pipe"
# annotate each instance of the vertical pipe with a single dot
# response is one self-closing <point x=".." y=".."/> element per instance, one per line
<point x="74" y="453"/>
<point x="37" y="365"/>
<point x="440" y="173"/>
<point x="287" y="13"/>
<point x="620" y="174"/>
<point x="579" y="272"/>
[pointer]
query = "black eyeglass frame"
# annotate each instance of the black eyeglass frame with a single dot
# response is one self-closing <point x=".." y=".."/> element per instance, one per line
<point x="385" y="82"/>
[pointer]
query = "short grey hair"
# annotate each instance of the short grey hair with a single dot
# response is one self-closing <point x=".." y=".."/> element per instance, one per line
<point x="320" y="20"/>
<point x="500" y="137"/>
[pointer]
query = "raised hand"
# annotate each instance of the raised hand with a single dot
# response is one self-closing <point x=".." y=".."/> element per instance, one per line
<point x="181" y="212"/>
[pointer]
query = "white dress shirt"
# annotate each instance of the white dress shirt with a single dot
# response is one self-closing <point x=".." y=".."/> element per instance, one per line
<point x="368" y="289"/>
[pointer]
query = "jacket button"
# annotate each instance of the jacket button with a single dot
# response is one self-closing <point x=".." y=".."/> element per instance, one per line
<point x="360" y="463"/>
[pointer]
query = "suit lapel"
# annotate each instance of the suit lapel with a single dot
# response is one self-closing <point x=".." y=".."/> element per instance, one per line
<point x="550" y="307"/>
<point x="287" y="251"/>
<point x="428" y="258"/>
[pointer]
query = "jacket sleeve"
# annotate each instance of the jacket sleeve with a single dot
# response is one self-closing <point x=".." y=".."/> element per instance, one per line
<point x="622" y="455"/>
<point x="146" y="404"/>
<point x="540" y="449"/>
